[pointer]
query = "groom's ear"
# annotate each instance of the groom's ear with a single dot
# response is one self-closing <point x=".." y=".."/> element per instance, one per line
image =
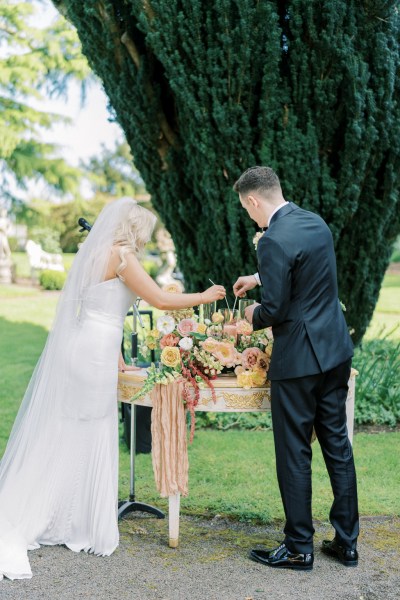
<point x="252" y="200"/>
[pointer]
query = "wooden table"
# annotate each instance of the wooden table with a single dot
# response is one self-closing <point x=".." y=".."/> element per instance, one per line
<point x="230" y="398"/>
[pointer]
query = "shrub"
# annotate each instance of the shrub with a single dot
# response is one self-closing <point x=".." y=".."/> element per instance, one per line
<point x="48" y="238"/>
<point x="52" y="280"/>
<point x="378" y="383"/>
<point x="151" y="267"/>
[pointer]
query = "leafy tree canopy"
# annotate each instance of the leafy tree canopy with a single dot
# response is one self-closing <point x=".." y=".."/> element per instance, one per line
<point x="35" y="63"/>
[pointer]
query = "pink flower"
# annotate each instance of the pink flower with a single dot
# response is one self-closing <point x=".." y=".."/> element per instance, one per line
<point x="249" y="357"/>
<point x="227" y="354"/>
<point x="186" y="326"/>
<point x="169" y="340"/>
<point x="243" y="327"/>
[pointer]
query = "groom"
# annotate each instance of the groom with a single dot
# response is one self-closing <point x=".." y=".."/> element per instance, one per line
<point x="310" y="366"/>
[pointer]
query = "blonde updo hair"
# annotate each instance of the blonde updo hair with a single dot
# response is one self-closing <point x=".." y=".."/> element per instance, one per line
<point x="133" y="233"/>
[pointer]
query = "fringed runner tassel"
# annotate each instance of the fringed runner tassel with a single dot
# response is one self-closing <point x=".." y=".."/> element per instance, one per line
<point x="169" y="440"/>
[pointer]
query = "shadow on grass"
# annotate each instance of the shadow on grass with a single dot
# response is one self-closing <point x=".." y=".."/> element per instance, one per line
<point x="21" y="344"/>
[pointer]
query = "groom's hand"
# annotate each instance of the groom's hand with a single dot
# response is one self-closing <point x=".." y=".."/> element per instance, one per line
<point x="243" y="285"/>
<point x="248" y="313"/>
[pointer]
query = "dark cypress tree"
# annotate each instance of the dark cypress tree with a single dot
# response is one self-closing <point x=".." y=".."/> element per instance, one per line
<point x="204" y="89"/>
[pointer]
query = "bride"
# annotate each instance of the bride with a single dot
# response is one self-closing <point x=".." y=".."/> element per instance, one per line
<point x="59" y="473"/>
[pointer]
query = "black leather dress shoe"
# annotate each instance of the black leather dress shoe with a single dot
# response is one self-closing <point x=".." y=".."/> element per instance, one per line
<point x="282" y="558"/>
<point x="348" y="558"/>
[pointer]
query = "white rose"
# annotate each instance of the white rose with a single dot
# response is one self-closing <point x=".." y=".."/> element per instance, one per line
<point x="186" y="343"/>
<point x="165" y="324"/>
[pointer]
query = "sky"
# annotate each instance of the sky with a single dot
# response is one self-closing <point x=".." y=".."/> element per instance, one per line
<point x="90" y="126"/>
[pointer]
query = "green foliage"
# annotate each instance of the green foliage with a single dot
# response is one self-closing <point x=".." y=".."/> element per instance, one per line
<point x="65" y="218"/>
<point x="378" y="383"/>
<point x="13" y="243"/>
<point x="205" y="89"/>
<point x="36" y="62"/>
<point x="48" y="238"/>
<point x="396" y="251"/>
<point x="112" y="172"/>
<point x="52" y="280"/>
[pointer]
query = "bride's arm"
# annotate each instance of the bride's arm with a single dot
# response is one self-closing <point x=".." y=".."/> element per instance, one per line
<point x="137" y="280"/>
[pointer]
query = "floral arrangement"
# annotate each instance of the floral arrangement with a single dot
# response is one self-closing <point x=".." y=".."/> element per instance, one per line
<point x="257" y="237"/>
<point x="196" y="350"/>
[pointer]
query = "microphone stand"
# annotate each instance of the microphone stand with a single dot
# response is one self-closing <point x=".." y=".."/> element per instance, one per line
<point x="127" y="506"/>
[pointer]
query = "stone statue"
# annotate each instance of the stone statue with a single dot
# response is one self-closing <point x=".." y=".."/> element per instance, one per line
<point x="166" y="247"/>
<point x="39" y="259"/>
<point x="5" y="252"/>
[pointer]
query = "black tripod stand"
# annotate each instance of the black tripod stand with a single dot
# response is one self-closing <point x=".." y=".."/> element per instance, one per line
<point x="127" y="506"/>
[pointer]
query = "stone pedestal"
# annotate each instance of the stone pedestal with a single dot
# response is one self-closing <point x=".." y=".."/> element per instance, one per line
<point x="5" y="270"/>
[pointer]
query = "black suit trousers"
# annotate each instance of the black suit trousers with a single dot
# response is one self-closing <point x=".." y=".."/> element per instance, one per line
<point x="297" y="405"/>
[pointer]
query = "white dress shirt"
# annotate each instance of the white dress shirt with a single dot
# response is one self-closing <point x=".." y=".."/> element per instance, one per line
<point x="256" y="275"/>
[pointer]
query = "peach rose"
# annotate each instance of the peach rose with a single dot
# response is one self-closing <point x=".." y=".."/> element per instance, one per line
<point x="186" y="326"/>
<point x="227" y="354"/>
<point x="262" y="361"/>
<point x="172" y="288"/>
<point x="249" y="357"/>
<point x="169" y="340"/>
<point x="209" y="345"/>
<point x="244" y="327"/>
<point x="217" y="317"/>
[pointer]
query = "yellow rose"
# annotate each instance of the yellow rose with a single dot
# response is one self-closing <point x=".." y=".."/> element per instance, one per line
<point x="151" y="343"/>
<point x="173" y="288"/>
<point x="154" y="333"/>
<point x="245" y="380"/>
<point x="170" y="356"/>
<point x="258" y="377"/>
<point x="201" y="328"/>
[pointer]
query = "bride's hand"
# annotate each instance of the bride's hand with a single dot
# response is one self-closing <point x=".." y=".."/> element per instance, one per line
<point x="122" y="366"/>
<point x="213" y="293"/>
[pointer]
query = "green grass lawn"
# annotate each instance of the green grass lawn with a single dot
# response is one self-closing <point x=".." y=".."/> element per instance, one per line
<point x="386" y="319"/>
<point x="231" y="473"/>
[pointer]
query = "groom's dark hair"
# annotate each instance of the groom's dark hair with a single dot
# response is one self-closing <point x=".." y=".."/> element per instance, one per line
<point x="257" y="179"/>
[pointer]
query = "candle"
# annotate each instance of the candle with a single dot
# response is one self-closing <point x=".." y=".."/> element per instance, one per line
<point x="230" y="330"/>
<point x="201" y="313"/>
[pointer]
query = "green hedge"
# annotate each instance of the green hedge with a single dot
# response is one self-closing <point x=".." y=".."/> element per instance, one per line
<point x="52" y="280"/>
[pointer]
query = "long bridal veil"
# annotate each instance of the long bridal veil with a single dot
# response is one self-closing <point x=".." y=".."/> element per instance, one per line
<point x="29" y="463"/>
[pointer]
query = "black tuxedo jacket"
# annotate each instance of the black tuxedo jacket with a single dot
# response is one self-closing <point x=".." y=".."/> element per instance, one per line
<point x="297" y="267"/>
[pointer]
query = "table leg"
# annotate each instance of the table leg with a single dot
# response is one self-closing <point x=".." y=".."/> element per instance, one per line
<point x="350" y="408"/>
<point x="174" y="505"/>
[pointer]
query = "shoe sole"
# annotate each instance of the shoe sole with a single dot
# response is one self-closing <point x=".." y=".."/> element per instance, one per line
<point x="293" y="568"/>
<point x="345" y="563"/>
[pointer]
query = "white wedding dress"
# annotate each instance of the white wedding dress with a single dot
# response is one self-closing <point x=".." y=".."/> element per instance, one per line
<point x="59" y="474"/>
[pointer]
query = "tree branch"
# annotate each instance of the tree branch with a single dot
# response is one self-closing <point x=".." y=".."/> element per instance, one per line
<point x="167" y="135"/>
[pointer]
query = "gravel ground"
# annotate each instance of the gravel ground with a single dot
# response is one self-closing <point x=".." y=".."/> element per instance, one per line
<point x="211" y="564"/>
